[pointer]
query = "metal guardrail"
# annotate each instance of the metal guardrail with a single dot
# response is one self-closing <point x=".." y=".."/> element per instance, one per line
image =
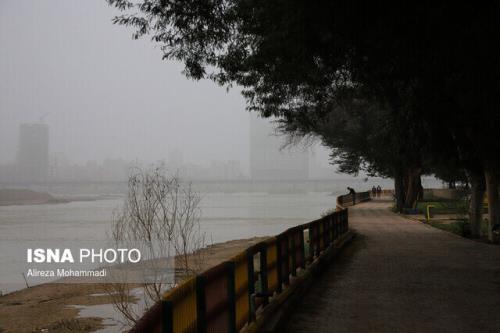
<point x="229" y="296"/>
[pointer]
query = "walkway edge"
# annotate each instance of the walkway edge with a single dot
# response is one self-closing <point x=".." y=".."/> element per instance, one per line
<point x="275" y="315"/>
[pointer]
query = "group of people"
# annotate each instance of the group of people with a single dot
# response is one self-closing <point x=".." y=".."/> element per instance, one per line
<point x="376" y="191"/>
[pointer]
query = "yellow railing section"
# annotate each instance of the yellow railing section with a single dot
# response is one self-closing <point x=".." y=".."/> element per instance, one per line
<point x="272" y="264"/>
<point x="183" y="300"/>
<point x="241" y="290"/>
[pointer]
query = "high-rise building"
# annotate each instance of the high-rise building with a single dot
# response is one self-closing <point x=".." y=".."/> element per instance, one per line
<point x="33" y="153"/>
<point x="268" y="161"/>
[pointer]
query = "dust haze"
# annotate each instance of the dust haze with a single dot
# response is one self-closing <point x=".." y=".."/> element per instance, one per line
<point x="102" y="100"/>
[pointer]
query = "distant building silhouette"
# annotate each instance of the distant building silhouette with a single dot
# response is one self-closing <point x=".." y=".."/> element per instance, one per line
<point x="268" y="161"/>
<point x="33" y="153"/>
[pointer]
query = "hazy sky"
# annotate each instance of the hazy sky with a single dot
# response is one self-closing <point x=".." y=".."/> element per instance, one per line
<point x="104" y="94"/>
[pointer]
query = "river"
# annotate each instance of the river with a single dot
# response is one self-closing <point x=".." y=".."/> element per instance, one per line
<point x="224" y="216"/>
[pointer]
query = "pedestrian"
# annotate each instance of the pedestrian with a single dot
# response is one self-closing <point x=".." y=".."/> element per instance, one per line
<point x="374" y="191"/>
<point x="379" y="191"/>
<point x="353" y="194"/>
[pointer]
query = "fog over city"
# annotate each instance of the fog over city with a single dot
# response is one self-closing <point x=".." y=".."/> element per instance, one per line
<point x="104" y="96"/>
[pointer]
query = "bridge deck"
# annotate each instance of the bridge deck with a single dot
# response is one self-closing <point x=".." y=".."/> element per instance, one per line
<point x="400" y="275"/>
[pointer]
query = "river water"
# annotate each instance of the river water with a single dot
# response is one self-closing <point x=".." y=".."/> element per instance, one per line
<point x="225" y="216"/>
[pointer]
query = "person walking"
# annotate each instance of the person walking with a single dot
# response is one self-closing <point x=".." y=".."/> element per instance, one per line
<point x="374" y="191"/>
<point x="379" y="191"/>
<point x="353" y="194"/>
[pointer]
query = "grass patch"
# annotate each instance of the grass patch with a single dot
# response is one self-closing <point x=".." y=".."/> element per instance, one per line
<point x="446" y="207"/>
<point x="458" y="227"/>
<point x="440" y="207"/>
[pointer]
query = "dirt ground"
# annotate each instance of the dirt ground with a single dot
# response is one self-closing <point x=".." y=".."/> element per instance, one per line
<point x="48" y="307"/>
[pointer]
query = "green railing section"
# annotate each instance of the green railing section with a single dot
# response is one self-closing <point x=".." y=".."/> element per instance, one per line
<point x="229" y="296"/>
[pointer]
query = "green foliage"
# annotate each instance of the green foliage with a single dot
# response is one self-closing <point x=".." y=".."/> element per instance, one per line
<point x="459" y="227"/>
<point x="460" y="208"/>
<point x="388" y="87"/>
<point x="440" y="207"/>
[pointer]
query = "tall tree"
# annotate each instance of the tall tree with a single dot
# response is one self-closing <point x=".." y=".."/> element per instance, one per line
<point x="364" y="137"/>
<point x="428" y="64"/>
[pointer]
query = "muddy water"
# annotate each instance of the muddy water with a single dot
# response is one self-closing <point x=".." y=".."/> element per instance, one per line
<point x="224" y="217"/>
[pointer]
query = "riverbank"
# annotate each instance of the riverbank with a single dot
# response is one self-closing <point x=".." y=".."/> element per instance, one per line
<point x="23" y="197"/>
<point x="11" y="197"/>
<point x="54" y="306"/>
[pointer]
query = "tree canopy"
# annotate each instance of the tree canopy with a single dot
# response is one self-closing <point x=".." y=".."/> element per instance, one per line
<point x="396" y="88"/>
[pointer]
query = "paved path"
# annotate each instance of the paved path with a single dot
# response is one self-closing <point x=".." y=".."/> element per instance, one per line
<point x="400" y="275"/>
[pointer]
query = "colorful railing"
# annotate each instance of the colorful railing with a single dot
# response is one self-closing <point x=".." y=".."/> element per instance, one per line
<point x="230" y="295"/>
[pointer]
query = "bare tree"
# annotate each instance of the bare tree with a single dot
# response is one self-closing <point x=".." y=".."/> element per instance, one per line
<point x="161" y="216"/>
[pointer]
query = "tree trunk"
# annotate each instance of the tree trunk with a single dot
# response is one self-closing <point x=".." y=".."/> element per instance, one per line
<point x="399" y="191"/>
<point x="493" y="201"/>
<point x="478" y="188"/>
<point x="414" y="187"/>
<point x="420" y="196"/>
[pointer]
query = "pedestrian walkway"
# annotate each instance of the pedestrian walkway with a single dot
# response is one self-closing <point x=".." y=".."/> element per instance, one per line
<point x="400" y="275"/>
